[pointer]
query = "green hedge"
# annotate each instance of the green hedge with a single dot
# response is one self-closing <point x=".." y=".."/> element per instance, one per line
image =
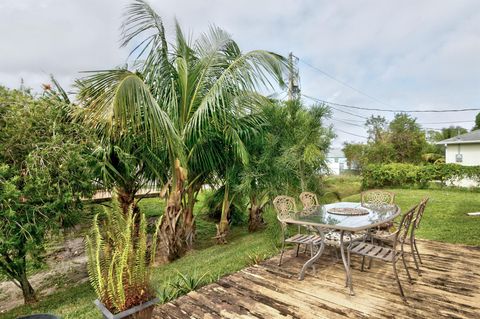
<point x="398" y="174"/>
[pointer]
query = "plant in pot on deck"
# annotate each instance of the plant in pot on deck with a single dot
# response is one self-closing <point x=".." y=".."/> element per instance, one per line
<point x="120" y="260"/>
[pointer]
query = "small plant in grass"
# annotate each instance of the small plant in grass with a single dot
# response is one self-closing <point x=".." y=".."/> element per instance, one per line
<point x="181" y="285"/>
<point x="256" y="258"/>
<point x="120" y="260"/>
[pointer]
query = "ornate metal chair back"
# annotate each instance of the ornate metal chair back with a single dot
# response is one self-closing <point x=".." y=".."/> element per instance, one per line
<point x="377" y="197"/>
<point x="420" y="211"/>
<point x="285" y="207"/>
<point x="403" y="228"/>
<point x="308" y="199"/>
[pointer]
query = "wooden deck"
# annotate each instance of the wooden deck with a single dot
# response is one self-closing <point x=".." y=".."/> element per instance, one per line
<point x="448" y="288"/>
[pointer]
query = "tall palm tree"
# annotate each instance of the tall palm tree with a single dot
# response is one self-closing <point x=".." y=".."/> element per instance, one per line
<point x="185" y="101"/>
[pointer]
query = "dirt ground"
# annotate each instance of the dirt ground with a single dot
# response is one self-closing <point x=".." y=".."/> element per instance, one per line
<point x="66" y="265"/>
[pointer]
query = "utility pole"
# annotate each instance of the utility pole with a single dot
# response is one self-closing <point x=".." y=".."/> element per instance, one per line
<point x="293" y="78"/>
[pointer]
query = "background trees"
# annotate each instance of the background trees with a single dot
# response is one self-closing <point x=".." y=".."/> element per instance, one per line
<point x="44" y="171"/>
<point x="407" y="139"/>
<point x="477" y="123"/>
<point x="401" y="140"/>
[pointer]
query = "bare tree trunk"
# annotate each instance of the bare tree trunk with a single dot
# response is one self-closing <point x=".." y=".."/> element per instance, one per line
<point x="28" y="292"/>
<point x="255" y="219"/>
<point x="172" y="236"/>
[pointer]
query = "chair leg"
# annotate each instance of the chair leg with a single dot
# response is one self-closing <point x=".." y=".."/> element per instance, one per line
<point x="348" y="256"/>
<point x="398" y="281"/>
<point x="412" y="247"/>
<point x="406" y="268"/>
<point x="363" y="263"/>
<point x="281" y="254"/>
<point x="311" y="255"/>
<point x="370" y="259"/>
<point x="416" y="249"/>
<point x="298" y="248"/>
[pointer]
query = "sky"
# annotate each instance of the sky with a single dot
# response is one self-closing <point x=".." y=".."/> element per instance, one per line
<point x="399" y="55"/>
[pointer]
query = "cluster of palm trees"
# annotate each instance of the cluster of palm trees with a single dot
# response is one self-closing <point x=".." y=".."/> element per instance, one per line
<point x="186" y="114"/>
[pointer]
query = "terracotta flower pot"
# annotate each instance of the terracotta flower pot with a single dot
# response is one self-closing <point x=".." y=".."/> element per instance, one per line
<point x="142" y="311"/>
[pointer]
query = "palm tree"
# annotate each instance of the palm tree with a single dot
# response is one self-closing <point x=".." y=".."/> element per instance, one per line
<point x="133" y="131"/>
<point x="288" y="156"/>
<point x="184" y="101"/>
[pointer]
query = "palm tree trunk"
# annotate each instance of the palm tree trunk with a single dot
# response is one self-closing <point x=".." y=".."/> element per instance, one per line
<point x="255" y="220"/>
<point x="222" y="227"/>
<point x="126" y="199"/>
<point x="172" y="235"/>
<point x="189" y="218"/>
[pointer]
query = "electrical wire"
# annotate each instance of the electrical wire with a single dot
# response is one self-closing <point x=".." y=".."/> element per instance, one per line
<point x="374" y="98"/>
<point x="351" y="133"/>
<point x="448" y="122"/>
<point x="343" y="83"/>
<point x="346" y="122"/>
<point x="387" y="110"/>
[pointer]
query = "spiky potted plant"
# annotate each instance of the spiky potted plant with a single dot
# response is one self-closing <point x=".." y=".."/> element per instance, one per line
<point x="120" y="260"/>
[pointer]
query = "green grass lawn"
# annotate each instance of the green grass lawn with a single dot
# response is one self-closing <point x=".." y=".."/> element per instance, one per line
<point x="343" y="186"/>
<point x="445" y="219"/>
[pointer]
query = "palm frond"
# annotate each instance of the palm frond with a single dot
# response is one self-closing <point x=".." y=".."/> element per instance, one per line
<point x="118" y="103"/>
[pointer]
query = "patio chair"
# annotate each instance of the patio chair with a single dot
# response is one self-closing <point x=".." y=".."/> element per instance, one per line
<point x="416" y="224"/>
<point x="377" y="197"/>
<point x="286" y="208"/>
<point x="308" y="199"/>
<point x="387" y="237"/>
<point x="388" y="254"/>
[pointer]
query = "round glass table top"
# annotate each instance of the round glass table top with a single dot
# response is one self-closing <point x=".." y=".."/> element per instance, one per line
<point x="372" y="216"/>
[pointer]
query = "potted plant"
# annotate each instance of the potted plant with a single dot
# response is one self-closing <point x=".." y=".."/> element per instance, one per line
<point x="120" y="260"/>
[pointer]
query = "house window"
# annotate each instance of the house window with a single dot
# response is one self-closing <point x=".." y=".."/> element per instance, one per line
<point x="459" y="158"/>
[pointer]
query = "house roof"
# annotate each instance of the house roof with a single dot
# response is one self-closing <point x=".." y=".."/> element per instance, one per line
<point x="467" y="138"/>
<point x="335" y="152"/>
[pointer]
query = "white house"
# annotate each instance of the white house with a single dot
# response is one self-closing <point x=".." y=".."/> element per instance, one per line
<point x="336" y="161"/>
<point x="463" y="150"/>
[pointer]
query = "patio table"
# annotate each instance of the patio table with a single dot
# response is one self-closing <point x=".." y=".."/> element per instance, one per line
<point x="323" y="219"/>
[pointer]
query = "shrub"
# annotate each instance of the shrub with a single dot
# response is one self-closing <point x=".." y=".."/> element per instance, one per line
<point x="400" y="174"/>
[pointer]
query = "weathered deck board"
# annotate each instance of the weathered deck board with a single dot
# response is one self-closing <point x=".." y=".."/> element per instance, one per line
<point x="448" y="288"/>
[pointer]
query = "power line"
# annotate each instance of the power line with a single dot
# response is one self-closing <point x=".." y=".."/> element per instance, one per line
<point x="374" y="98"/>
<point x="346" y="122"/>
<point x="351" y="133"/>
<point x="448" y="122"/>
<point x="343" y="83"/>
<point x="388" y="110"/>
<point x="349" y="121"/>
<point x="349" y="113"/>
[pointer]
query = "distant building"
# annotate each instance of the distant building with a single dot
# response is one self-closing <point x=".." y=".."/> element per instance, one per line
<point x="463" y="149"/>
<point x="336" y="161"/>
